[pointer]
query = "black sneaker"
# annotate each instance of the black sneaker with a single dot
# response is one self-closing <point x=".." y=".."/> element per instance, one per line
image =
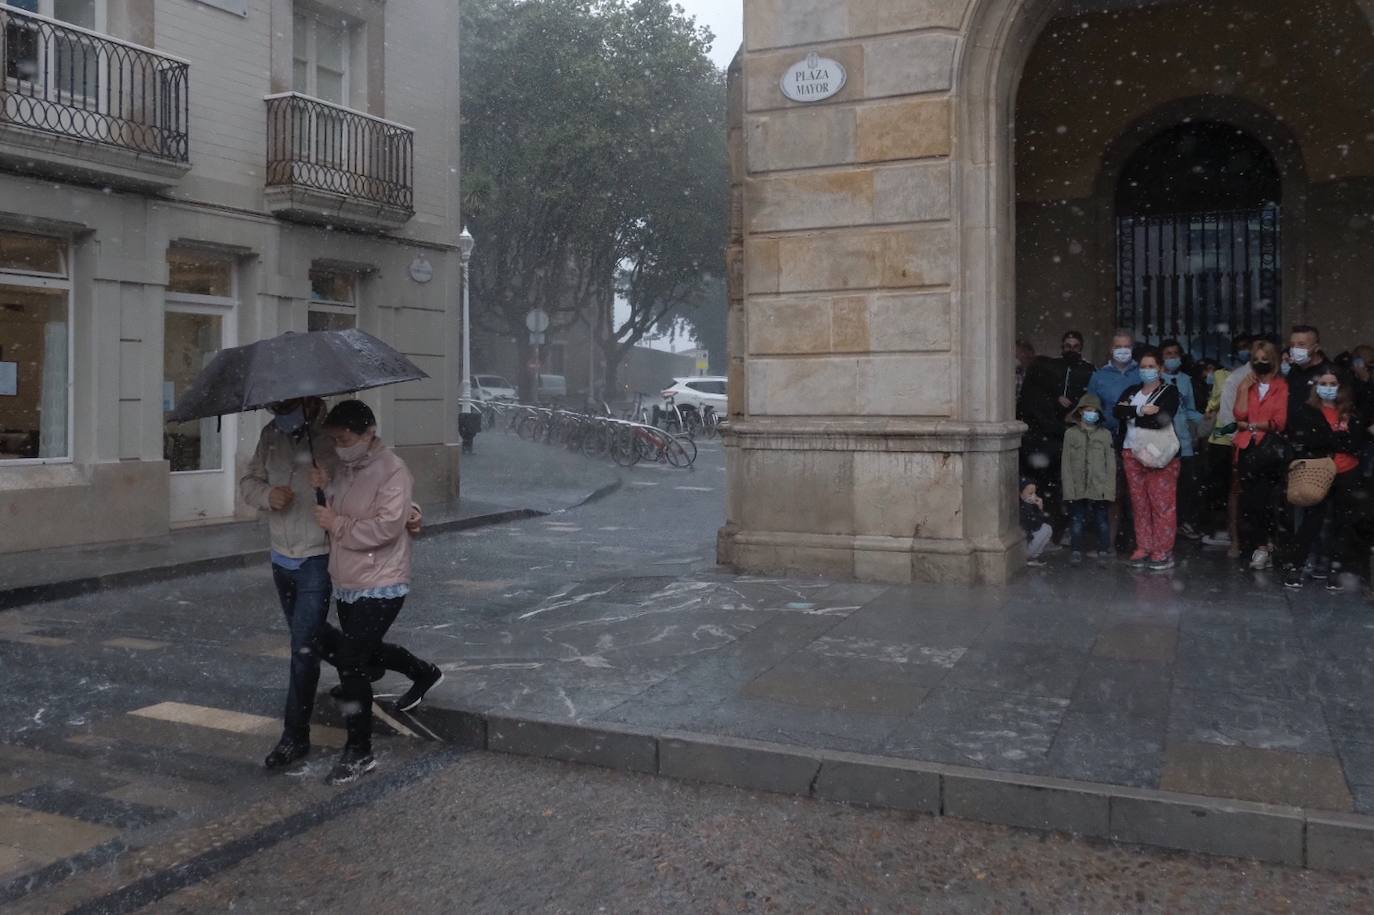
<point x="352" y="765"/>
<point x="416" y="694"/>
<point x="1293" y="579"/>
<point x="286" y="752"/>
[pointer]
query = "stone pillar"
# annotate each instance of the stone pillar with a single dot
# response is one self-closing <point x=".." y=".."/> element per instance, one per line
<point x="870" y="435"/>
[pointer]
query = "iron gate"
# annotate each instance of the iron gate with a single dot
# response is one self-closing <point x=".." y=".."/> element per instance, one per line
<point x="1199" y="278"/>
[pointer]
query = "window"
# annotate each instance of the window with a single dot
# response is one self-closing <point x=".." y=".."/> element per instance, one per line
<point x="333" y="300"/>
<point x="201" y="295"/>
<point x="707" y="387"/>
<point x="320" y="58"/>
<point x="192" y="272"/>
<point x="35" y="347"/>
<point x="58" y="68"/>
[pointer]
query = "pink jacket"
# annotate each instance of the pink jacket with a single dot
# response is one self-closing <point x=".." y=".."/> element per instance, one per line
<point x="369" y="546"/>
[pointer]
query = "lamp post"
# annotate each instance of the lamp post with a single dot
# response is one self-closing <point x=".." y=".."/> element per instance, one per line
<point x="467" y="417"/>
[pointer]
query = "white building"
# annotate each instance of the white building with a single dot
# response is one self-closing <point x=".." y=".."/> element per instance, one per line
<point x="181" y="175"/>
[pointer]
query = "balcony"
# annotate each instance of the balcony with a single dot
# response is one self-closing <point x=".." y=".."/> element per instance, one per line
<point x="330" y="165"/>
<point x="81" y="106"/>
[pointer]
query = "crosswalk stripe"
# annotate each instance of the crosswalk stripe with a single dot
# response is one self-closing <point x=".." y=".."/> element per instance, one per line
<point x="694" y="489"/>
<point x="135" y="644"/>
<point x="24" y="638"/>
<point x="206" y="717"/>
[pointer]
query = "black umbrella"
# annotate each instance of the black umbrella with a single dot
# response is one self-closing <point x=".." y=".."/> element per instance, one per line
<point x="317" y="364"/>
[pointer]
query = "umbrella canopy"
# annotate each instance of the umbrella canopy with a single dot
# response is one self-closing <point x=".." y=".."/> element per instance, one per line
<point x="317" y="364"/>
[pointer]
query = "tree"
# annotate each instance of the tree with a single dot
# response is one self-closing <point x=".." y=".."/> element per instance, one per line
<point x="594" y="161"/>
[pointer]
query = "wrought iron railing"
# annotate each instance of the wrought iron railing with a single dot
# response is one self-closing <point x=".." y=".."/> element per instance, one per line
<point x="1200" y="278"/>
<point x="326" y="147"/>
<point x="66" y="80"/>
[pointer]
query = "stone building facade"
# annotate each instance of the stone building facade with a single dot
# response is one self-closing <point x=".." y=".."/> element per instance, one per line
<point x="181" y="175"/>
<point x="987" y="170"/>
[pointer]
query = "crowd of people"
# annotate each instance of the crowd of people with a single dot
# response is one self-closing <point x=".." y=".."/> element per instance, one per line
<point x="1266" y="453"/>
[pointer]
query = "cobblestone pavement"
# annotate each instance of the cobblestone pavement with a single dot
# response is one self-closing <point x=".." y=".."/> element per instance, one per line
<point x="501" y="834"/>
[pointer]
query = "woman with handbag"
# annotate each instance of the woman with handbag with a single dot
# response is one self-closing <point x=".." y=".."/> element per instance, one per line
<point x="1328" y="438"/>
<point x="1149" y="457"/>
<point x="1262" y="456"/>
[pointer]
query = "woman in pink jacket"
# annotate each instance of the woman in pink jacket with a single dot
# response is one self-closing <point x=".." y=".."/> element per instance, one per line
<point x="367" y="503"/>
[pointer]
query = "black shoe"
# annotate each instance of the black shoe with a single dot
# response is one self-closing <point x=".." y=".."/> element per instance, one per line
<point x="286" y="752"/>
<point x="417" y="690"/>
<point x="1292" y="579"/>
<point x="352" y="765"/>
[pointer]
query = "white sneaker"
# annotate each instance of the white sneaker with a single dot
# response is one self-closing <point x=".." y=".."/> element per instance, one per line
<point x="1220" y="538"/>
<point x="1259" y="560"/>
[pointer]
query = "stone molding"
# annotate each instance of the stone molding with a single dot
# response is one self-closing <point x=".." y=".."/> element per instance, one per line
<point x="872" y="434"/>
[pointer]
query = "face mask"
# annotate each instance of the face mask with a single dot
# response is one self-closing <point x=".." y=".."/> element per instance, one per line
<point x="1122" y="354"/>
<point x="1208" y="377"/>
<point x="1071" y="357"/>
<point x="1300" y="355"/>
<point x="1261" y="368"/>
<point x="353" y="452"/>
<point x="1328" y="391"/>
<point x="1149" y="376"/>
<point x="1286" y="368"/>
<point x="1357" y="362"/>
<point x="1091" y="417"/>
<point x="290" y="422"/>
<point x="1173" y="364"/>
<point x="1242" y="356"/>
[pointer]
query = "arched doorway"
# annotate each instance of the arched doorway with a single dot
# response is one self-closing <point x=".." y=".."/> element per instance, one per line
<point x="1198" y="223"/>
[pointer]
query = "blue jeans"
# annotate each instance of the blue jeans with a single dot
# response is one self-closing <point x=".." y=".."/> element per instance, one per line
<point x="1080" y="510"/>
<point x="304" y="597"/>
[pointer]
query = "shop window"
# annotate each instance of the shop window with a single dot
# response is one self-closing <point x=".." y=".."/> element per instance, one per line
<point x="35" y="347"/>
<point x="333" y="300"/>
<point x="192" y="272"/>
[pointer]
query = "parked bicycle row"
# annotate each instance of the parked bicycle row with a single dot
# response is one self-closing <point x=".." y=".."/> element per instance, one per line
<point x="624" y="440"/>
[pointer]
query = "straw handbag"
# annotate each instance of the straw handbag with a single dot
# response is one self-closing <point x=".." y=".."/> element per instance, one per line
<point x="1309" y="481"/>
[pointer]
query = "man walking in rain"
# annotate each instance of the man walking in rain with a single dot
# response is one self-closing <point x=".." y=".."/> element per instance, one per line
<point x="278" y="482"/>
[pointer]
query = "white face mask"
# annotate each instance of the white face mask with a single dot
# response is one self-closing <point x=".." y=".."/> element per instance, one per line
<point x="1300" y="355"/>
<point x="353" y="452"/>
<point x="1122" y="354"/>
<point x="290" y="422"/>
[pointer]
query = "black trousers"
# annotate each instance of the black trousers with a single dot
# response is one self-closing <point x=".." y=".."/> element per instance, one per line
<point x="364" y="624"/>
<point x="1260" y="490"/>
<point x="1326" y="525"/>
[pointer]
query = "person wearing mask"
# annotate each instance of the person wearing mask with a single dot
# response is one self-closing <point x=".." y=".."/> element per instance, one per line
<point x="1185" y="425"/>
<point x="1261" y="409"/>
<point x="1089" y="476"/>
<point x="1327" y="426"/>
<point x="1305" y="362"/>
<point x="1108" y="382"/>
<point x="367" y="495"/>
<point x="1151" y="404"/>
<point x="1025" y="358"/>
<point x="1362" y="381"/>
<point x="1054" y="388"/>
<point x="278" y="482"/>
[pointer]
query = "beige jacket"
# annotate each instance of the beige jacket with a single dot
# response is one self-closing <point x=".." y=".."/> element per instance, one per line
<point x="285" y="460"/>
<point x="369" y="544"/>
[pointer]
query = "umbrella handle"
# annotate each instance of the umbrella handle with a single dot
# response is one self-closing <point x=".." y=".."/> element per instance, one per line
<point x="319" y="497"/>
<point x="310" y="440"/>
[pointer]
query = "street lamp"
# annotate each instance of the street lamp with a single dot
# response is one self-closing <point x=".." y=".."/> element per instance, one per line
<point x="465" y="245"/>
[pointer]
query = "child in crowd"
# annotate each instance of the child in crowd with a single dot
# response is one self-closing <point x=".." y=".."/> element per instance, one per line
<point x="1035" y="523"/>
<point x="1088" y="472"/>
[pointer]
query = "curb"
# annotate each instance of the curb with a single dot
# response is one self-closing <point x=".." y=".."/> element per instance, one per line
<point x="47" y="592"/>
<point x="1292" y="836"/>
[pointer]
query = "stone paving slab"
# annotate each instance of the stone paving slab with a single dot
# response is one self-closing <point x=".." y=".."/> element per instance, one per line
<point x="1182" y="710"/>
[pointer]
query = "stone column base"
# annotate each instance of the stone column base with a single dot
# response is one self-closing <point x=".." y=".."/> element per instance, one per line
<point x="874" y="500"/>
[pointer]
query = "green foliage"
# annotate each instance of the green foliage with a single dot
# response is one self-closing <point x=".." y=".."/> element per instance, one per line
<point x="594" y="162"/>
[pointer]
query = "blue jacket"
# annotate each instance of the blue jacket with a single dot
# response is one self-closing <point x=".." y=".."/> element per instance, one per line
<point x="1109" y="383"/>
<point x="1183" y="422"/>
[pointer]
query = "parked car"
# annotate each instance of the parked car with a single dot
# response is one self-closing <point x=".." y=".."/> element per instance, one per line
<point x="492" y="387"/>
<point x="551" y="389"/>
<point x="699" y="391"/>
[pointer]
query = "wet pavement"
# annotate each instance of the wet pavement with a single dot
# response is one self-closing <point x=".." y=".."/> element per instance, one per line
<point x="135" y="718"/>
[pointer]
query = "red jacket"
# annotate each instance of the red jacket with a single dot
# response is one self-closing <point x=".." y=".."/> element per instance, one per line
<point x="1251" y="409"/>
